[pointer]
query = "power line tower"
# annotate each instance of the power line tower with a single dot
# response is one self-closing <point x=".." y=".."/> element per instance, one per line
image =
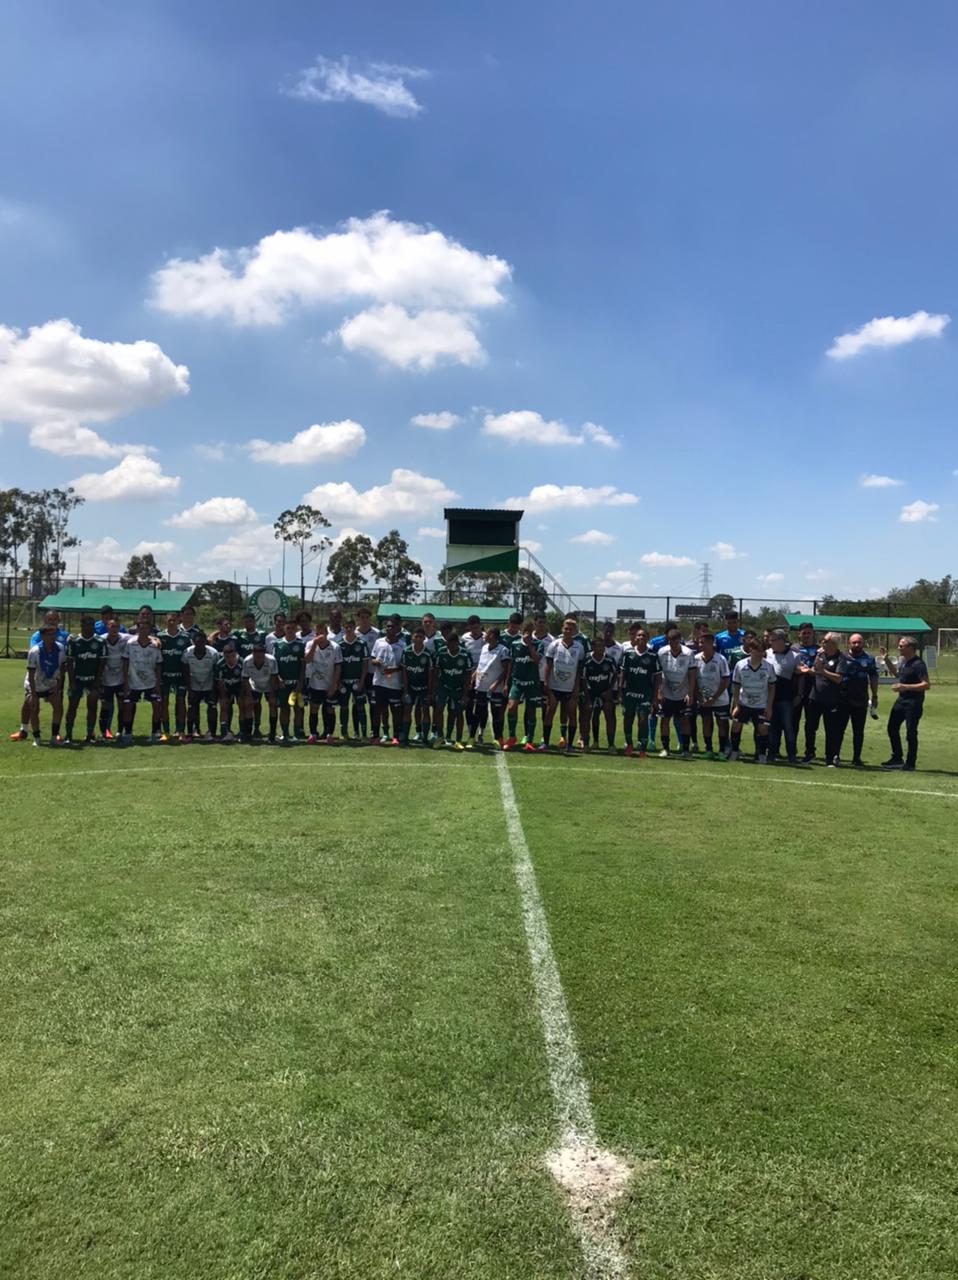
<point x="705" y="582"/>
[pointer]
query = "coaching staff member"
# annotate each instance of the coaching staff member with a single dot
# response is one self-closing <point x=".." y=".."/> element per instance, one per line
<point x="910" y="685"/>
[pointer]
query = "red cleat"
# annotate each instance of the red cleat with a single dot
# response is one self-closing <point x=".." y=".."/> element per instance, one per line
<point x="628" y="751"/>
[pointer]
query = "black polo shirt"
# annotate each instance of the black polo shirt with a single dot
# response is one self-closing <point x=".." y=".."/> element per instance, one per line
<point x="911" y="671"/>
<point x="828" y="693"/>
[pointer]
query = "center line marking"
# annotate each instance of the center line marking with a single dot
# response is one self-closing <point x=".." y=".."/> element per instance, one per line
<point x="591" y="1177"/>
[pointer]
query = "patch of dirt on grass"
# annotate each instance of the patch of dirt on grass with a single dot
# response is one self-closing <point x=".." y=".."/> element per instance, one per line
<point x="592" y="1178"/>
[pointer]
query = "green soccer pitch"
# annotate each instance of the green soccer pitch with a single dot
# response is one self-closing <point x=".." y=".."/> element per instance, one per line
<point x="270" y="1014"/>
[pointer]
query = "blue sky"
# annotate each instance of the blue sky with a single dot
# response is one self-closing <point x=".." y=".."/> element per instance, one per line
<point x="657" y="220"/>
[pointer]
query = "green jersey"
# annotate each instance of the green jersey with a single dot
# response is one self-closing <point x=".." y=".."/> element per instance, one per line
<point x="86" y="656"/>
<point x="231" y="676"/>
<point x="244" y="641"/>
<point x="354" y="654"/>
<point x="452" y="670"/>
<point x="525" y="664"/>
<point x="639" y="671"/>
<point x="417" y="666"/>
<point x="598" y="676"/>
<point x="172" y="649"/>
<point x="289" y="656"/>
<point x="512" y="643"/>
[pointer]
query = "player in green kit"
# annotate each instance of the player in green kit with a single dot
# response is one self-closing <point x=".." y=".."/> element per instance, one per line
<point x="599" y="678"/>
<point x="245" y="637"/>
<point x="640" y="677"/>
<point x="228" y="674"/>
<point x="174" y="642"/>
<point x="525" y="686"/>
<point x="85" y="658"/>
<point x="417" y="665"/>
<point x="352" y="680"/>
<point x="290" y="655"/>
<point x="453" y="667"/>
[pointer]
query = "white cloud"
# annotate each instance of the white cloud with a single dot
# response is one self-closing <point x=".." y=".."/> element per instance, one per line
<point x="817" y="575"/>
<point x="599" y="435"/>
<point x="375" y="258"/>
<point x="71" y="440"/>
<point x="525" y="426"/>
<point x="623" y="581"/>
<point x="347" y="532"/>
<point x="555" y="497"/>
<point x="726" y="551"/>
<point x="54" y="380"/>
<point x="888" y="331"/>
<point x="110" y="556"/>
<point x="211" y="452"/>
<point x="442" y="421"/>
<point x="594" y="538"/>
<point x="135" y="477"/>
<point x="215" y="511"/>
<point x="428" y="532"/>
<point x="421" y="340"/>
<point x="917" y="511"/>
<point x="879" y="482"/>
<point x="530" y="544"/>
<point x="407" y="494"/>
<point x="662" y="560"/>
<point x="322" y="442"/>
<point x="375" y="84"/>
<point x="770" y="577"/>
<point x="253" y="547"/>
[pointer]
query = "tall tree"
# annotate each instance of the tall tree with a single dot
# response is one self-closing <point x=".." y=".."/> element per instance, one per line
<point x="297" y="527"/>
<point x="719" y="604"/>
<point x="222" y="594"/>
<point x="349" y="567"/>
<point x="393" y="566"/>
<point x="34" y="533"/>
<point x="142" y="571"/>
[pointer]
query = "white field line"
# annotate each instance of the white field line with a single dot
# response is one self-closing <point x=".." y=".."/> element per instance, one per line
<point x="638" y="773"/>
<point x="578" y="1141"/>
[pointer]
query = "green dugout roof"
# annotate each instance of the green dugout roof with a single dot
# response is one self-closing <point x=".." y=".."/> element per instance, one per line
<point x="92" y="599"/>
<point x="494" y="614"/>
<point x="843" y="622"/>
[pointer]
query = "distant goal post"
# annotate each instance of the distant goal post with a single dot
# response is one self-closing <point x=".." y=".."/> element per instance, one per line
<point x="946" y="664"/>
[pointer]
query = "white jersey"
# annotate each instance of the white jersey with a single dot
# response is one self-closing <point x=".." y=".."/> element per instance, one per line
<point x="322" y="666"/>
<point x="614" y="650"/>
<point x="260" y="678"/>
<point x="490" y="666"/>
<point x="675" y="672"/>
<point x="201" y="668"/>
<point x="389" y="653"/>
<point x="113" y="669"/>
<point x="270" y="640"/>
<point x="369" y="638"/>
<point x="429" y="644"/>
<point x="473" y="645"/>
<point x="336" y="636"/>
<point x="753" y="682"/>
<point x="709" y="675"/>
<point x="547" y="641"/>
<point x="41" y="681"/>
<point x="566" y="662"/>
<point x="143" y="662"/>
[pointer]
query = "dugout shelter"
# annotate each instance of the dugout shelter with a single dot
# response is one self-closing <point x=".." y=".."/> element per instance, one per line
<point x="124" y="601"/>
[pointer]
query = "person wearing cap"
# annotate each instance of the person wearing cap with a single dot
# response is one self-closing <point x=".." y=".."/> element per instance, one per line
<point x="44" y="680"/>
<point x="261" y="679"/>
<point x="911" y="685"/>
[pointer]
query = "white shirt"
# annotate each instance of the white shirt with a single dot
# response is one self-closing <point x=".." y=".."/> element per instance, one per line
<point x="335" y="636"/>
<point x="709" y="675"/>
<point x="490" y="666"/>
<point x="390" y="655"/>
<point x="41" y="682"/>
<point x="113" y="671"/>
<point x="753" y="682"/>
<point x="369" y="638"/>
<point x="143" y="660"/>
<point x="322" y="665"/>
<point x="201" y="668"/>
<point x="675" y="672"/>
<point x="784" y="664"/>
<point x="260" y="678"/>
<point x="473" y="645"/>
<point x="614" y="650"/>
<point x="547" y="641"/>
<point x="271" y="638"/>
<point x="565" y="664"/>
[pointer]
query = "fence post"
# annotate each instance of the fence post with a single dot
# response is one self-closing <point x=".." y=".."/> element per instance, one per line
<point x="668" y="608"/>
<point x="595" y="612"/>
<point x="7" y="651"/>
<point x="741" y="610"/>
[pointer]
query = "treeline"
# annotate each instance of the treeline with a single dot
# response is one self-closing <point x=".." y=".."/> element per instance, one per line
<point x="34" y="535"/>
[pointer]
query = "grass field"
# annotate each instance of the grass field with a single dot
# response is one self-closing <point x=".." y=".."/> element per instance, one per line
<point x="269" y="1014"/>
